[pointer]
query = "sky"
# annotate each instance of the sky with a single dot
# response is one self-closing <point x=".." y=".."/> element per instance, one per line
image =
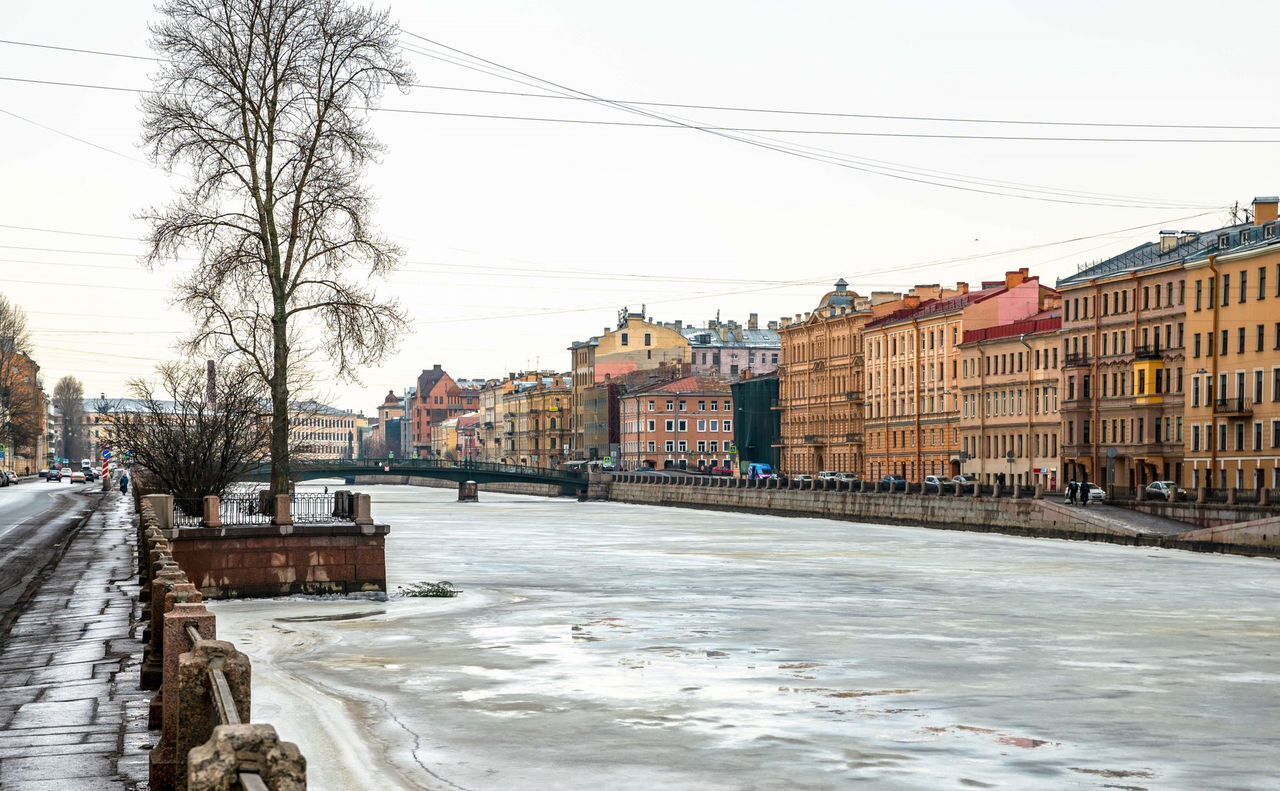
<point x="523" y="236"/>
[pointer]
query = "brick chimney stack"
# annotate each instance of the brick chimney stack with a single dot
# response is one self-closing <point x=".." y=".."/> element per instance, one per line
<point x="1265" y="209"/>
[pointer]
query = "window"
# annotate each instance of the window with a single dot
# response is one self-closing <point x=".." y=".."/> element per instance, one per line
<point x="1195" y="344"/>
<point x="1257" y="387"/>
<point x="1199" y="293"/>
<point x="1225" y="341"/>
<point x="1195" y="437"/>
<point x="715" y="426"/>
<point x="1226" y="290"/>
<point x="669" y="446"/>
<point x="683" y="425"/>
<point x="728" y="426"/>
<point x="1262" y="282"/>
<point x="1262" y="332"/>
<point x="702" y="425"/>
<point x="648" y="339"/>
<point x="652" y="425"/>
<point x="1257" y="436"/>
<point x="671" y="425"/>
<point x="1240" y="340"/>
<point x="625" y="340"/>
<point x="1244" y="286"/>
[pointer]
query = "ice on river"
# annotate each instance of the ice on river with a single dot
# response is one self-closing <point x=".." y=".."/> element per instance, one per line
<point x="609" y="646"/>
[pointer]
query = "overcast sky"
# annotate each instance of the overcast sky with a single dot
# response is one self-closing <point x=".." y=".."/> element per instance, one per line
<point x="498" y="215"/>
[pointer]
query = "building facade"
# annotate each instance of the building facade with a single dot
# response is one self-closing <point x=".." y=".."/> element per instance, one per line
<point x="538" y="422"/>
<point x="686" y="424"/>
<point x="1009" y="418"/>
<point x="913" y="372"/>
<point x="757" y="425"/>
<point x="438" y="397"/>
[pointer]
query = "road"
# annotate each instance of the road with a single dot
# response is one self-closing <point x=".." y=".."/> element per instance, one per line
<point x="36" y="518"/>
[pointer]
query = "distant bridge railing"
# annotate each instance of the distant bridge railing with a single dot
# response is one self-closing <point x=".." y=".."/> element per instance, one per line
<point x="486" y="470"/>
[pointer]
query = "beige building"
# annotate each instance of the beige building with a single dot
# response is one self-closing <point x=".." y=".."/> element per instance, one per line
<point x="1009" y="419"/>
<point x="538" y="422"/>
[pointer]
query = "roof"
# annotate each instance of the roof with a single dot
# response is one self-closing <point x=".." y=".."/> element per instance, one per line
<point x="939" y="307"/>
<point x="690" y="384"/>
<point x="714" y="338"/>
<point x="430" y="377"/>
<point x="1192" y="245"/>
<point x="1042" y="323"/>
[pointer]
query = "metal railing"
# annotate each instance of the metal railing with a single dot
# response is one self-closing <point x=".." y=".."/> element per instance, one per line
<point x="1077" y="360"/>
<point x="1238" y="405"/>
<point x="312" y="507"/>
<point x="225" y="704"/>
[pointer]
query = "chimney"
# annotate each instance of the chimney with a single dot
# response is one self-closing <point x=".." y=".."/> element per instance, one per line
<point x="1015" y="278"/>
<point x="1265" y="209"/>
<point x="962" y="287"/>
<point x="773" y="325"/>
<point x="1168" y="241"/>
<point x="1187" y="236"/>
<point x="436" y="367"/>
<point x="911" y="301"/>
<point x="753" y="321"/>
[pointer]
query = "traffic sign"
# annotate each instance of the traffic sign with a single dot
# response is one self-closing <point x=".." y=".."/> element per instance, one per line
<point x="106" y="454"/>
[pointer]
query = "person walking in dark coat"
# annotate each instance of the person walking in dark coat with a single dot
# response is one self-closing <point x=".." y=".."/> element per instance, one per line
<point x="1071" y="491"/>
<point x="124" y="484"/>
<point x="1084" y="493"/>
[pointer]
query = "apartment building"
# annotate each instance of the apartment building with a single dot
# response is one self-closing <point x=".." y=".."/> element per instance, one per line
<point x="687" y="424"/>
<point x="538" y="423"/>
<point x="913" y="371"/>
<point x="821" y="385"/>
<point x="1009" y="418"/>
<point x="1233" y="322"/>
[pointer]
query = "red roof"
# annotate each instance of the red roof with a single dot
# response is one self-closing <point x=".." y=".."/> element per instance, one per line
<point x="1046" y="321"/>
<point x="691" y="384"/>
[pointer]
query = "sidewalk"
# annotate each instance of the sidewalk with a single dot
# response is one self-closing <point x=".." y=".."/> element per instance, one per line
<point x="71" y="715"/>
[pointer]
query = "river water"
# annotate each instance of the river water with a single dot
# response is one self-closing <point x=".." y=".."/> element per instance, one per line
<point x="610" y="646"/>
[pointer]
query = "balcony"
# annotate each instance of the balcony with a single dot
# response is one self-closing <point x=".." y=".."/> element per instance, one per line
<point x="1233" y="407"/>
<point x="854" y="395"/>
<point x="853" y="439"/>
<point x="814" y="439"/>
<point x="1148" y="352"/>
<point x="1077" y="360"/>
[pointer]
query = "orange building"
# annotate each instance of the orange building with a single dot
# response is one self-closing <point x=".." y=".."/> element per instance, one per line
<point x="913" y="372"/>
<point x="685" y="424"/>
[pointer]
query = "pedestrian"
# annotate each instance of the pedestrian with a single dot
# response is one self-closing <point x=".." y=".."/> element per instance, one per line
<point x="1071" y="491"/>
<point x="1084" y="493"/>
<point x="326" y="490"/>
<point x="124" y="484"/>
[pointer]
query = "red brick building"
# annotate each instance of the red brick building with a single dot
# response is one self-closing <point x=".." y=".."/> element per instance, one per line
<point x="439" y="398"/>
<point x="684" y="424"/>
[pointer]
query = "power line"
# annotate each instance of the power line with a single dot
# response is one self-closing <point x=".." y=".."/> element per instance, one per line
<point x="69" y="233"/>
<point x="864" y="164"/>
<point x="756" y="141"/>
<point x="48" y="128"/>
<point x="77" y="49"/>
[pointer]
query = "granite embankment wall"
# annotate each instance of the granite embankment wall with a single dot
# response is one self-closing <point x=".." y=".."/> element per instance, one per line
<point x="1043" y="518"/>
<point x="1204" y="514"/>
<point x="536" y="489"/>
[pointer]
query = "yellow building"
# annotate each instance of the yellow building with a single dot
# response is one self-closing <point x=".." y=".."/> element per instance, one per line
<point x="635" y="344"/>
<point x="1009" y="420"/>
<point x="1233" y="322"/>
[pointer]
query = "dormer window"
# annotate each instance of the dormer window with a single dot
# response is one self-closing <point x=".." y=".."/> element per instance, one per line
<point x="1269" y="232"/>
<point x="1244" y="237"/>
<point x="1224" y="240"/>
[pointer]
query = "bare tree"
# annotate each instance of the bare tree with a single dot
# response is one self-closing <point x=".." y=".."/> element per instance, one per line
<point x="22" y="403"/>
<point x="265" y="103"/>
<point x="68" y="399"/>
<point x="191" y="445"/>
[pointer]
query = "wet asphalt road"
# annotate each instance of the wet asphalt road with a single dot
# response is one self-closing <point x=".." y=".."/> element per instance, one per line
<point x="36" y="518"/>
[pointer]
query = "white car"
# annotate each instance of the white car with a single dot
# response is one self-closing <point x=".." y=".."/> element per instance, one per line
<point x="828" y="475"/>
<point x="1164" y="490"/>
<point x="933" y="483"/>
<point x="1096" y="494"/>
<point x="802" y="477"/>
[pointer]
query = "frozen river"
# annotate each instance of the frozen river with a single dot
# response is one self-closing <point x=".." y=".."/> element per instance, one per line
<point x="607" y="646"/>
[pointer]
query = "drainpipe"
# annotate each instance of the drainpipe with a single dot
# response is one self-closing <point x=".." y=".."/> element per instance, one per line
<point x="1213" y="377"/>
<point x="919" y="381"/>
<point x="1027" y="402"/>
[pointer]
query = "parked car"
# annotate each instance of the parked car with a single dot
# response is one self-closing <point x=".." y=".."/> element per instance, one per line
<point x="802" y="477"/>
<point x="1096" y="494"/>
<point x="722" y="471"/>
<point x="11" y="476"/>
<point x="4" y="479"/>
<point x="77" y="476"/>
<point x="964" y="480"/>
<point x="54" y="474"/>
<point x="44" y="472"/>
<point x="894" y="483"/>
<point x="848" y="478"/>
<point x="759" y="471"/>
<point x="1165" y="490"/>
<point x="828" y="475"/>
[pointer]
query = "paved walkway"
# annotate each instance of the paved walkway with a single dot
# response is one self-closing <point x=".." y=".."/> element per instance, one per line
<point x="71" y="715"/>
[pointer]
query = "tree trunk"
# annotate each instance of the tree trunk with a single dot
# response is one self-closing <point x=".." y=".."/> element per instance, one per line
<point x="280" y="405"/>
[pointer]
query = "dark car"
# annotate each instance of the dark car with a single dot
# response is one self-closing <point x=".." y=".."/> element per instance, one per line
<point x="894" y="483"/>
<point x="55" y="474"/>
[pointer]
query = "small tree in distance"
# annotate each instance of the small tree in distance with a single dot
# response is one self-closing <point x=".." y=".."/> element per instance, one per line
<point x="190" y="444"/>
<point x="68" y="399"/>
<point x="265" y="104"/>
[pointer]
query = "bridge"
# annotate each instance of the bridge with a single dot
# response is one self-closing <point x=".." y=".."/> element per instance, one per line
<point x="569" y="481"/>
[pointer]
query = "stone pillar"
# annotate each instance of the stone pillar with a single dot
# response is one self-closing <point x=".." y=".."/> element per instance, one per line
<point x="166" y="759"/>
<point x="468" y="492"/>
<point x="1202" y="494"/>
<point x="363" y="510"/>
<point x="213" y="766"/>
<point x="212" y="516"/>
<point x="957" y="489"/>
<point x="995" y="491"/>
<point x="163" y="505"/>
<point x="876" y="488"/>
<point x="184" y="593"/>
<point x="1231" y="495"/>
<point x="282" y="514"/>
<point x="1139" y="493"/>
<point x="196" y="713"/>
<point x="1264" y="496"/>
<point x="163" y="582"/>
<point x="1039" y="491"/>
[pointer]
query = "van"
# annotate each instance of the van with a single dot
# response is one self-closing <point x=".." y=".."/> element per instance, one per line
<point x="757" y="471"/>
